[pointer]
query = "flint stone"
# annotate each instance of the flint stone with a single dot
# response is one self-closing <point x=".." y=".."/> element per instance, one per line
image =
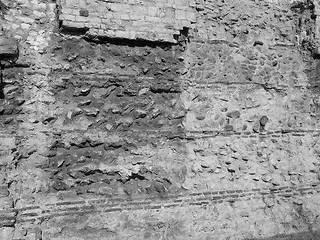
<point x="234" y="114"/>
<point x="263" y="120"/>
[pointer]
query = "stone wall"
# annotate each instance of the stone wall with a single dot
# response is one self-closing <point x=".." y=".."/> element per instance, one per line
<point x="148" y="19"/>
<point x="160" y="120"/>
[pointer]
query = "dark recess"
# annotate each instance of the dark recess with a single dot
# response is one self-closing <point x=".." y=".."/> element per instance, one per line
<point x="115" y="41"/>
<point x="3" y="9"/>
<point x="181" y="39"/>
<point x="2" y="84"/>
<point x="302" y="6"/>
<point x="72" y="31"/>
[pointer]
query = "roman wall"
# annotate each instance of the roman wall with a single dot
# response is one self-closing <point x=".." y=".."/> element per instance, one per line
<point x="167" y="119"/>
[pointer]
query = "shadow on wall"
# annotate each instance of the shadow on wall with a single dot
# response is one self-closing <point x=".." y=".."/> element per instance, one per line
<point x="3" y="8"/>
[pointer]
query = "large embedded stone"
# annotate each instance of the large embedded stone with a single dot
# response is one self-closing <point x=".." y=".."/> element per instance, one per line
<point x="9" y="49"/>
<point x="6" y="233"/>
<point x="234" y="114"/>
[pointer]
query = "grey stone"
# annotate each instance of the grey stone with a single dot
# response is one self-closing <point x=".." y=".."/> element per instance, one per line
<point x="233" y="114"/>
<point x="263" y="120"/>
<point x="84" y="12"/>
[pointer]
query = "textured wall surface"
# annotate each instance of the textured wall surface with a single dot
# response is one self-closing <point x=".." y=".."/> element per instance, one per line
<point x="168" y="119"/>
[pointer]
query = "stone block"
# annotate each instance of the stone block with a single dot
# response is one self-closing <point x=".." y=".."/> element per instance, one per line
<point x="152" y="11"/>
<point x="93" y="31"/>
<point x="185" y="23"/>
<point x="192" y="3"/>
<point x="76" y="25"/>
<point x="68" y="17"/>
<point x="110" y="33"/>
<point x="141" y="34"/>
<point x="153" y="19"/>
<point x="170" y="13"/>
<point x="93" y="25"/>
<point x="67" y="11"/>
<point x="125" y="16"/>
<point x="138" y="9"/>
<point x="6" y="233"/>
<point x="26" y="19"/>
<point x="117" y="7"/>
<point x="82" y="19"/>
<point x="9" y="49"/>
<point x="4" y="191"/>
<point x="132" y="35"/>
<point x="181" y="2"/>
<point x="96" y="20"/>
<point x="180" y="14"/>
<point x="135" y="17"/>
<point x="101" y="33"/>
<point x="6" y="202"/>
<point x="122" y="34"/>
<point x="191" y="16"/>
<point x="72" y="3"/>
<point x="165" y="38"/>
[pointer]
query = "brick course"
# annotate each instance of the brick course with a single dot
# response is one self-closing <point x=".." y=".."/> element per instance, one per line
<point x="58" y="209"/>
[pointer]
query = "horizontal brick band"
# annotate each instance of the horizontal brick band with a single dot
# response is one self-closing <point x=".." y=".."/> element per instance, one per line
<point x="31" y="213"/>
<point x="274" y="134"/>
<point x="190" y="135"/>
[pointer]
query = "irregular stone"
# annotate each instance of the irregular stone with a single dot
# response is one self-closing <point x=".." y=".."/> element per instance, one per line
<point x="233" y="114"/>
<point x="256" y="127"/>
<point x="232" y="168"/>
<point x="258" y="42"/>
<point x="200" y="116"/>
<point x="244" y="213"/>
<point x="228" y="127"/>
<point x="84" y="12"/>
<point x="83" y="122"/>
<point x="4" y="191"/>
<point x="269" y="201"/>
<point x="140" y="113"/>
<point x="263" y="120"/>
<point x="6" y="233"/>
<point x="109" y="127"/>
<point x="266" y="178"/>
<point x="92" y="112"/>
<point x="6" y="202"/>
<point x="276" y="179"/>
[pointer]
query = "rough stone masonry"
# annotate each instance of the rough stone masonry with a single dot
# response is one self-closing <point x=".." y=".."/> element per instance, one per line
<point x="167" y="119"/>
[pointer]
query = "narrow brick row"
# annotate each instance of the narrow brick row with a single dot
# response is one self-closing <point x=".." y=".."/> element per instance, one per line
<point x="192" y="199"/>
<point x="191" y="135"/>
